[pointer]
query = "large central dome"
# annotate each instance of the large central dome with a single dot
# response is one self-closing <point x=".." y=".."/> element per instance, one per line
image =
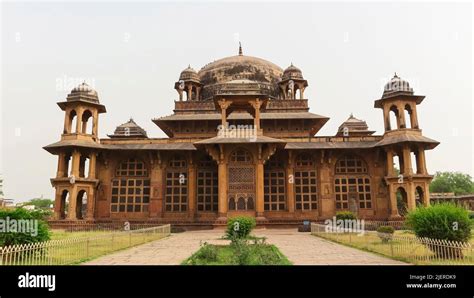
<point x="240" y="67"/>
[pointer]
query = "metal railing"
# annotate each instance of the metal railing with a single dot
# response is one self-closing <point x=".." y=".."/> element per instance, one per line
<point x="75" y="250"/>
<point x="408" y="248"/>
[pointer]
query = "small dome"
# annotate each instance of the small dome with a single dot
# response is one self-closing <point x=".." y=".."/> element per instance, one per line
<point x="292" y="72"/>
<point x="353" y="127"/>
<point x="189" y="74"/>
<point x="129" y="129"/>
<point x="84" y="91"/>
<point x="396" y="85"/>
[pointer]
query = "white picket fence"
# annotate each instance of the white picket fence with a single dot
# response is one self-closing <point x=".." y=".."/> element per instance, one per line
<point x="407" y="248"/>
<point x="75" y="250"/>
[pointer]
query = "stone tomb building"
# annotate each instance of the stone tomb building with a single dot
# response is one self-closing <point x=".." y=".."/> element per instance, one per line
<point x="241" y="140"/>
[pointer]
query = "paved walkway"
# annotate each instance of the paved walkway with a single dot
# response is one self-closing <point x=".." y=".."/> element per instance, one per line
<point x="299" y="248"/>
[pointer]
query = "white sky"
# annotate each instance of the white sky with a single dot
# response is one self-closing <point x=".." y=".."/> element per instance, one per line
<point x="132" y="53"/>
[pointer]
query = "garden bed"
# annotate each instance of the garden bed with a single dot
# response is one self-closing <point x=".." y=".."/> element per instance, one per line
<point x="246" y="254"/>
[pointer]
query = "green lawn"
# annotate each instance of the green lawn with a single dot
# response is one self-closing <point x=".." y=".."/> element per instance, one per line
<point x="400" y="248"/>
<point x="58" y="234"/>
<point x="252" y="254"/>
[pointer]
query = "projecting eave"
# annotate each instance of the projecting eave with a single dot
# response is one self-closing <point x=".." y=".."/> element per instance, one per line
<point x="165" y="123"/>
<point x="245" y="140"/>
<point x="101" y="108"/>
<point x="408" y="138"/>
<point x="417" y="98"/>
<point x="330" y="145"/>
<point x="56" y="147"/>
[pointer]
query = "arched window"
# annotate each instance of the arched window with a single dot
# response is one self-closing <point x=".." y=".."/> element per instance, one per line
<point x="87" y="122"/>
<point x="402" y="201"/>
<point x="176" y="196"/>
<point x="408" y="116"/>
<point x="81" y="204"/>
<point x="306" y="196"/>
<point x="419" y="196"/>
<point x="352" y="184"/>
<point x="72" y="121"/>
<point x="394" y="118"/>
<point x="130" y="187"/>
<point x="207" y="185"/>
<point x="274" y="184"/>
<point x="64" y="204"/>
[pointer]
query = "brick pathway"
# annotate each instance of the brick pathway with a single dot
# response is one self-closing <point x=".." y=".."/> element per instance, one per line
<point x="299" y="248"/>
<point x="305" y="249"/>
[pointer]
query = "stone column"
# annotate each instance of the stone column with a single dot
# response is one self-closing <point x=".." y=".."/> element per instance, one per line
<point x="223" y="104"/>
<point x="76" y="160"/>
<point x="222" y="181"/>
<point x="421" y="162"/>
<point x="192" y="203"/>
<point x="58" y="204"/>
<point x="393" y="202"/>
<point x="390" y="171"/>
<point x="95" y="124"/>
<point x="79" y="119"/>
<point x="426" y="195"/>
<point x="61" y="162"/>
<point x="408" y="170"/>
<point x="401" y="115"/>
<point x="411" y="198"/>
<point x="90" y="204"/>
<point x="67" y="126"/>
<point x="92" y="165"/>
<point x="414" y="117"/>
<point x="290" y="186"/>
<point x="256" y="105"/>
<point x="386" y="118"/>
<point x="71" y="214"/>
<point x="260" y="190"/>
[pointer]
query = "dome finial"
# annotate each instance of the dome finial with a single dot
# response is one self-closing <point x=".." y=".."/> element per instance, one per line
<point x="240" y="49"/>
<point x="395" y="76"/>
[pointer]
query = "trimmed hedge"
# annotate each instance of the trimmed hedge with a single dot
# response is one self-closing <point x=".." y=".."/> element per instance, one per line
<point x="445" y="221"/>
<point x="240" y="227"/>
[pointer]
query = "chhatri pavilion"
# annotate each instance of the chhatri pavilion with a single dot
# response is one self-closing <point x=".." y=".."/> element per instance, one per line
<point x="241" y="141"/>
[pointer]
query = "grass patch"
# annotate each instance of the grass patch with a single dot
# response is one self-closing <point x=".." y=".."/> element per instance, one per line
<point x="244" y="254"/>
<point x="397" y="249"/>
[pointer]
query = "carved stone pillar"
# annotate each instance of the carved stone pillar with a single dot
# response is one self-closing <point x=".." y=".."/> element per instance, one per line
<point x="260" y="190"/>
<point x="192" y="203"/>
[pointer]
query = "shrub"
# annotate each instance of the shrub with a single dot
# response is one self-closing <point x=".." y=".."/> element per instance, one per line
<point x="444" y="221"/>
<point x="240" y="227"/>
<point x="207" y="252"/>
<point x="242" y="251"/>
<point x="345" y="215"/>
<point x="385" y="233"/>
<point x="10" y="236"/>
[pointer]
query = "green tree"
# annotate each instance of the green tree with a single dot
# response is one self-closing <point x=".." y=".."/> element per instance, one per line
<point x="40" y="203"/>
<point x="456" y="182"/>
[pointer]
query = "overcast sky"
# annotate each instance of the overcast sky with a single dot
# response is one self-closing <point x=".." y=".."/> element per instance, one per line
<point x="132" y="53"/>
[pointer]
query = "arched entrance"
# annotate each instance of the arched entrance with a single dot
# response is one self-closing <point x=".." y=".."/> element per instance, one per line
<point x="419" y="196"/>
<point x="241" y="173"/>
<point x="402" y="201"/>
<point x="81" y="204"/>
<point x="64" y="204"/>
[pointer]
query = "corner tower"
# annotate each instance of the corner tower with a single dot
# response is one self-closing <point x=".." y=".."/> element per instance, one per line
<point x="76" y="180"/>
<point x="404" y="145"/>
